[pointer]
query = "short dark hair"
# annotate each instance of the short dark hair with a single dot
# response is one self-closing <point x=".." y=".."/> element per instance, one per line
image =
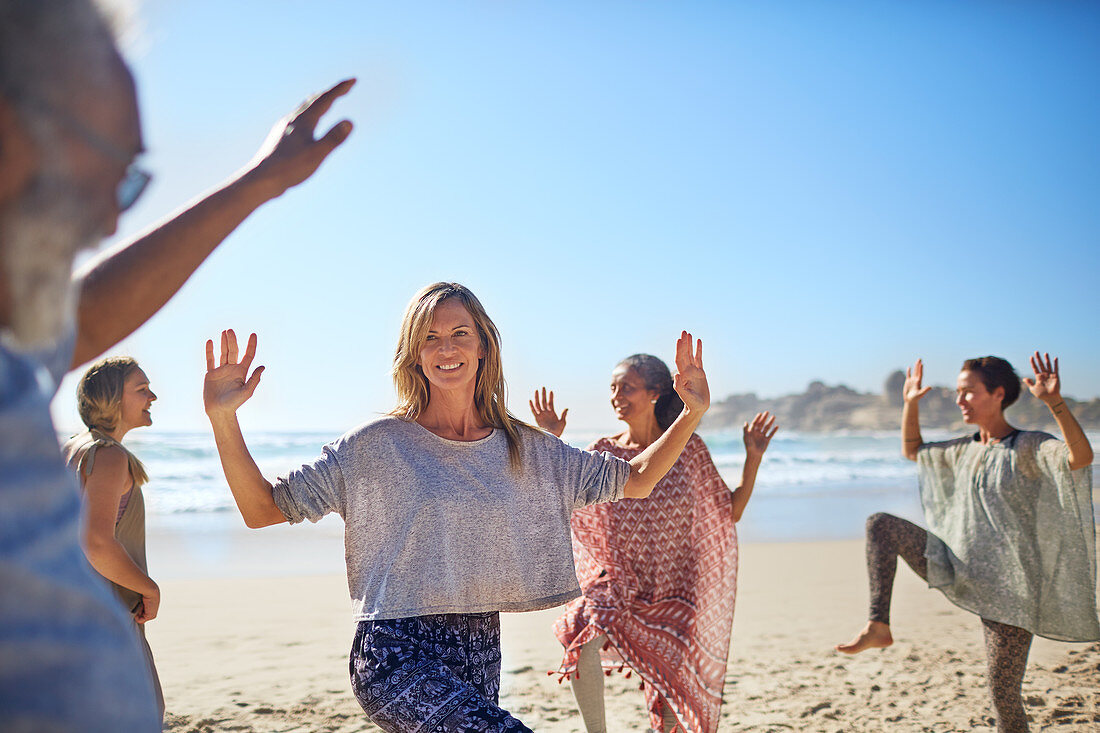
<point x="995" y="372"/>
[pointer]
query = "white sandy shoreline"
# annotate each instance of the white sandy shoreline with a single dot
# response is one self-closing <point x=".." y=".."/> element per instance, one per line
<point x="270" y="654"/>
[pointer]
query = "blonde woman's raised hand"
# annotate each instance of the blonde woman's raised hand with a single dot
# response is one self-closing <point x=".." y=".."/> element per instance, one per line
<point x="546" y="417"/>
<point x="228" y="384"/>
<point x="759" y="433"/>
<point x="912" y="390"/>
<point x="1047" y="385"/>
<point x="690" y="381"/>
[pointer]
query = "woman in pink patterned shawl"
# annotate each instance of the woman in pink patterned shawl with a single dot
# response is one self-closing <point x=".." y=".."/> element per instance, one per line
<point x="658" y="575"/>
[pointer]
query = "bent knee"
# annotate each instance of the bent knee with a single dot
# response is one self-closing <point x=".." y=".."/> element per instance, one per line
<point x="879" y="521"/>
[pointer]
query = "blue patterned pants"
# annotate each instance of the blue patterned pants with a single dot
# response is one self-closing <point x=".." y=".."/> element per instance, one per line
<point x="431" y="674"/>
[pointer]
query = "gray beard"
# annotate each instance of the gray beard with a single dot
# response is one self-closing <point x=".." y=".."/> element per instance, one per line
<point x="41" y="235"/>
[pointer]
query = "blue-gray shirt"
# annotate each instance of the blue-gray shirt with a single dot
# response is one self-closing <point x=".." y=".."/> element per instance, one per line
<point x="442" y="526"/>
<point x="69" y="656"/>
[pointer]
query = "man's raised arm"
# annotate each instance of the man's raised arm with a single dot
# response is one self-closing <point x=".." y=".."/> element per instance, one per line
<point x="122" y="288"/>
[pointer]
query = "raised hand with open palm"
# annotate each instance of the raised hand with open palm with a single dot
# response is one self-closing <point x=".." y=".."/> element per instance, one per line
<point x="228" y="385"/>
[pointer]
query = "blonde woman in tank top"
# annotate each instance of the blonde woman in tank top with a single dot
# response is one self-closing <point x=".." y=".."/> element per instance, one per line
<point x="113" y="398"/>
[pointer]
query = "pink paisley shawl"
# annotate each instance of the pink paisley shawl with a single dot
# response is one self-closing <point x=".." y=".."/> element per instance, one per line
<point x="659" y="577"/>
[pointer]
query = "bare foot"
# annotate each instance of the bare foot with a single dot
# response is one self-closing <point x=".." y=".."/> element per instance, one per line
<point x="875" y="635"/>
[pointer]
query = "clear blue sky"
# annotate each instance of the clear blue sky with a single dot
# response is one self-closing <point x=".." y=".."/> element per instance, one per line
<point x="818" y="190"/>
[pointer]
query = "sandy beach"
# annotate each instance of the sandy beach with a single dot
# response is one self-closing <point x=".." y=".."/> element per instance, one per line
<point x="269" y="653"/>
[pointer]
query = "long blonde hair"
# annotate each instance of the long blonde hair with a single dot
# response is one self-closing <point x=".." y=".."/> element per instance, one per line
<point x="99" y="403"/>
<point x="490" y="391"/>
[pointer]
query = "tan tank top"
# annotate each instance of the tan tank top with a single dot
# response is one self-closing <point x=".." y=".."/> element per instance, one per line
<point x="79" y="454"/>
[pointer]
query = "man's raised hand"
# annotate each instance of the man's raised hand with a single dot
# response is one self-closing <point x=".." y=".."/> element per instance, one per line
<point x="291" y="153"/>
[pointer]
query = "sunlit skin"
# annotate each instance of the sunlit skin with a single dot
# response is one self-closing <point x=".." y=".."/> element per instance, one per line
<point x="982" y="408"/>
<point x="117" y="123"/>
<point x="449" y="360"/>
<point x="137" y="401"/>
<point x="635" y="405"/>
<point x="449" y="357"/>
<point x="112" y="301"/>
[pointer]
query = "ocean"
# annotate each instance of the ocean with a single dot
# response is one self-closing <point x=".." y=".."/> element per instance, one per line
<point x="810" y="487"/>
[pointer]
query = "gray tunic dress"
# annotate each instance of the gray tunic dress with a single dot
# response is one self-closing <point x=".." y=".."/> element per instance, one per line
<point x="1011" y="533"/>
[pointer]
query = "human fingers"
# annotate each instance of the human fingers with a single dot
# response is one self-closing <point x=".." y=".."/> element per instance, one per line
<point x="1034" y="359"/>
<point x="313" y="109"/>
<point x="680" y="349"/>
<point x="1056" y="366"/>
<point x="331" y="140"/>
<point x="770" y="424"/>
<point x="224" y="358"/>
<point x="253" y="382"/>
<point x="209" y="355"/>
<point x="550" y="404"/>
<point x="1050" y="367"/>
<point x="249" y="353"/>
<point x="689" y="351"/>
<point x="699" y="353"/>
<point x="531" y="404"/>
<point x="232" y="342"/>
<point x="757" y="421"/>
<point x="564" y="413"/>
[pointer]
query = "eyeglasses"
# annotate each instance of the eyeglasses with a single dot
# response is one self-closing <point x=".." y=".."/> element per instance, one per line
<point x="134" y="180"/>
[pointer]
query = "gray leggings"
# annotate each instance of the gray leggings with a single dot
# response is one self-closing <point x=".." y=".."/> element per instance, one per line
<point x="1006" y="647"/>
<point x="588" y="689"/>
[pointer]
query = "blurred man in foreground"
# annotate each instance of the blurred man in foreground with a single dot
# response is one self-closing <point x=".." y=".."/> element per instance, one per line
<point x="69" y="136"/>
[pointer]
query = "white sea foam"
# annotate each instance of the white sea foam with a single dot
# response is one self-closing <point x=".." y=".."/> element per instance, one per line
<point x="809" y="487"/>
<point x="186" y="476"/>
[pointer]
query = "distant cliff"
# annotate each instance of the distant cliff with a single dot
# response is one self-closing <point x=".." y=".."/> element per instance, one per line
<point x="822" y="408"/>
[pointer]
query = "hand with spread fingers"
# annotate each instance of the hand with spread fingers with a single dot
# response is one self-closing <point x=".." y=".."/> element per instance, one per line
<point x="546" y="417"/>
<point x="759" y="433"/>
<point x="228" y="384"/>
<point x="1047" y="384"/>
<point x="690" y="381"/>
<point x="912" y="390"/>
<point x="291" y="153"/>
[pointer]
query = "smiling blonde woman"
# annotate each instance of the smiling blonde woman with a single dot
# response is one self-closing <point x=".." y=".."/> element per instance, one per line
<point x="454" y="510"/>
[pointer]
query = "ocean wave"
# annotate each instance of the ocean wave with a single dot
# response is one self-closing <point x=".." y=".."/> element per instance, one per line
<point x="186" y="475"/>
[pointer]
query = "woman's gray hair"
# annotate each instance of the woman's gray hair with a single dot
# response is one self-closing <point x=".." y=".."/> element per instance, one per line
<point x="657" y="378"/>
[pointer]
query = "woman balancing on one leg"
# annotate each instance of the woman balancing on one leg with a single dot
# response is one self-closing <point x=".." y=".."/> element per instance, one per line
<point x="1010" y="525"/>
<point x="659" y="575"/>
<point x="454" y="510"/>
